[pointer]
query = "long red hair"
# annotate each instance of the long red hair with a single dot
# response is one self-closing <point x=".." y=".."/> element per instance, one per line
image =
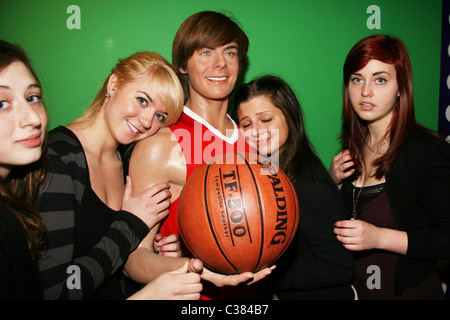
<point x="389" y="50"/>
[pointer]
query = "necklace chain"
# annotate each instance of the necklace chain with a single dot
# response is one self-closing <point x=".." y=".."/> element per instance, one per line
<point x="355" y="200"/>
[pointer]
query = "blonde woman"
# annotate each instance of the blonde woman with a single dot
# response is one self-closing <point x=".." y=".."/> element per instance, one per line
<point x="88" y="200"/>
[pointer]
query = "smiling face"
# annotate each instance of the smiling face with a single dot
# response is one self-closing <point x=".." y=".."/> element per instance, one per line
<point x="373" y="92"/>
<point x="213" y="72"/>
<point x="264" y="125"/>
<point x="22" y="118"/>
<point x="134" y="111"/>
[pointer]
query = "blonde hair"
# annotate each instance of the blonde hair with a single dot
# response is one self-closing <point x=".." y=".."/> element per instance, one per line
<point x="144" y="66"/>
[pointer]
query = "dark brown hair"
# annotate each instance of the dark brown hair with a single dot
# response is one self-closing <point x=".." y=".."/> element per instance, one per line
<point x="297" y="152"/>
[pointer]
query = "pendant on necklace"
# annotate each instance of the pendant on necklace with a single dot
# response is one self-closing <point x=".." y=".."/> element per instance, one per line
<point x="354" y="210"/>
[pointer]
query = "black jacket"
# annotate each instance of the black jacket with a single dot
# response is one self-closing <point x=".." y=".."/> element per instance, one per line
<point x="19" y="277"/>
<point x="418" y="188"/>
<point x="316" y="265"/>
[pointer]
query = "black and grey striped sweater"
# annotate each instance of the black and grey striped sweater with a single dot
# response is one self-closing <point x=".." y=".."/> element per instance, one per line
<point x="65" y="188"/>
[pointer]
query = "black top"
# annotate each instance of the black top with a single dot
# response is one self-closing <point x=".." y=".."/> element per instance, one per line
<point x="418" y="190"/>
<point x="91" y="224"/>
<point x="366" y="195"/>
<point x="93" y="212"/>
<point x="67" y="189"/>
<point x="375" y="269"/>
<point x="316" y="265"/>
<point x="19" y="277"/>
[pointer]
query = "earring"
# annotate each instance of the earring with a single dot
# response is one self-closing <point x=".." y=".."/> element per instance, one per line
<point x="107" y="94"/>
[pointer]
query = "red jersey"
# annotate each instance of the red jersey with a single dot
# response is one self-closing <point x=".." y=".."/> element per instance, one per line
<point x="200" y="142"/>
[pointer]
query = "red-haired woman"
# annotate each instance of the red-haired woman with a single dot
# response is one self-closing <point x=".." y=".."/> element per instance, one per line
<point x="394" y="176"/>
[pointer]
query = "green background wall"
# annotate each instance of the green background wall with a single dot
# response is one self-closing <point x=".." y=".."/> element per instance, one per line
<point x="303" y="41"/>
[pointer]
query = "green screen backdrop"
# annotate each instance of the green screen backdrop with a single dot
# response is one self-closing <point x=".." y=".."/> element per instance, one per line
<point x="74" y="45"/>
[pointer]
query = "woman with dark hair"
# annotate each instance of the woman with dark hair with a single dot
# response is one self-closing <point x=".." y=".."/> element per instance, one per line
<point x="394" y="177"/>
<point x="22" y="124"/>
<point x="315" y="266"/>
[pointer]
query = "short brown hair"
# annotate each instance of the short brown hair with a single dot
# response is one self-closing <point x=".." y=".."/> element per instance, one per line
<point x="206" y="29"/>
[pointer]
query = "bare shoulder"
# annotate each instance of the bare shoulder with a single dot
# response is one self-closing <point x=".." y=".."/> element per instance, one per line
<point x="158" y="158"/>
<point x="155" y="148"/>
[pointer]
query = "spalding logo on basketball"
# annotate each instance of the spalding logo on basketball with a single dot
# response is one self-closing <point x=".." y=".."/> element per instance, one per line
<point x="238" y="213"/>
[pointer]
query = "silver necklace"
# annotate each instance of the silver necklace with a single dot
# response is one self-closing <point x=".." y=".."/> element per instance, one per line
<point x="355" y="199"/>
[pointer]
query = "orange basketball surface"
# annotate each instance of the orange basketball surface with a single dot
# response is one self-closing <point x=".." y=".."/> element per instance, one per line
<point x="238" y="213"/>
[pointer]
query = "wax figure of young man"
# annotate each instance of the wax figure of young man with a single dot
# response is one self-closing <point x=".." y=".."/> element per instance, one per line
<point x="208" y="51"/>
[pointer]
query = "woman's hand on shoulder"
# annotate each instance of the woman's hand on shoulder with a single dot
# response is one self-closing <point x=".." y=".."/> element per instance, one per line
<point x="151" y="205"/>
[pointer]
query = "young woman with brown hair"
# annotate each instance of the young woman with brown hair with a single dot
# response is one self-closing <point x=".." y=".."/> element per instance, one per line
<point x="315" y="266"/>
<point x="23" y="121"/>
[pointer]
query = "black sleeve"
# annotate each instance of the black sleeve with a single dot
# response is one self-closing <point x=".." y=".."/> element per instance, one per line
<point x="63" y="193"/>
<point x="316" y="259"/>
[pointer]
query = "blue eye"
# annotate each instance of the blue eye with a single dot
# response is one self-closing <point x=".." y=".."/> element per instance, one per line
<point x="142" y="101"/>
<point x="380" y="80"/>
<point x="161" y="117"/>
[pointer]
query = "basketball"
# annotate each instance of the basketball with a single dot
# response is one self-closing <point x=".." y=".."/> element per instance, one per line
<point x="238" y="213"/>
